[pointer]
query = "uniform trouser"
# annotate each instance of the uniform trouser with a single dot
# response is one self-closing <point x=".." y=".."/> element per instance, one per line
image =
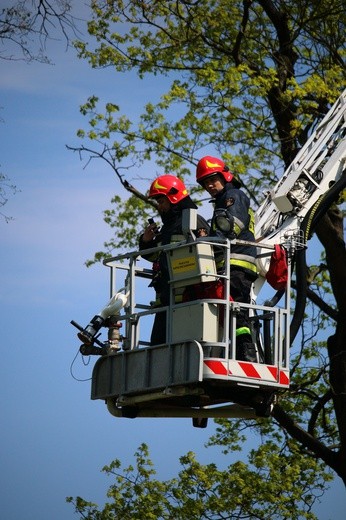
<point x="240" y="288"/>
<point x="158" y="333"/>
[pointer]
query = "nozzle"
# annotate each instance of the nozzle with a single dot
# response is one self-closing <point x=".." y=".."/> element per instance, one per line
<point x="87" y="335"/>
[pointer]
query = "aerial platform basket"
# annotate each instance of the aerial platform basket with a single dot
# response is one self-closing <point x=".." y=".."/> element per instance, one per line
<point x="195" y="373"/>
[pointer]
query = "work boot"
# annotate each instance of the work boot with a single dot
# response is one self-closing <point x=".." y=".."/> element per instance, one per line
<point x="247" y="352"/>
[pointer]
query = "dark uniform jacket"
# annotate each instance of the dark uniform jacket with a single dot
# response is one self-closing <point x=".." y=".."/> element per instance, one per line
<point x="171" y="232"/>
<point x="235" y="205"/>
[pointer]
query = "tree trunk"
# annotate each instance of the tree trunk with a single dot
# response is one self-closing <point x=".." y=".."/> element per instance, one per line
<point x="330" y="233"/>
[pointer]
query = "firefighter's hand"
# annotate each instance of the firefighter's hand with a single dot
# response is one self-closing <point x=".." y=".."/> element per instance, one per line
<point x="202" y="232"/>
<point x="149" y="233"/>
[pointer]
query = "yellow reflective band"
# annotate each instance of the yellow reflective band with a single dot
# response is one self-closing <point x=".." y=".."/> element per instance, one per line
<point x="245" y="264"/>
<point x="251" y="225"/>
<point x="240" y="263"/>
<point x="237" y="229"/>
<point x="242" y="330"/>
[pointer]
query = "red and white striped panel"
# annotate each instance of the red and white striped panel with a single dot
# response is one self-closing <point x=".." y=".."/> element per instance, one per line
<point x="254" y="371"/>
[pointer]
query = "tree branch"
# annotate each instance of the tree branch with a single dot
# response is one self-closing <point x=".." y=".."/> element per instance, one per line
<point x="317" y="410"/>
<point x="306" y="439"/>
<point x="102" y="155"/>
<point x="314" y="298"/>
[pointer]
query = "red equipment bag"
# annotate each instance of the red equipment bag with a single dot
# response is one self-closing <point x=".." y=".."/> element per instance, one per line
<point x="205" y="291"/>
<point x="277" y="274"/>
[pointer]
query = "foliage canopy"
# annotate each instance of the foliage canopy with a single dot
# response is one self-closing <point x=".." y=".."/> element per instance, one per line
<point x="205" y="492"/>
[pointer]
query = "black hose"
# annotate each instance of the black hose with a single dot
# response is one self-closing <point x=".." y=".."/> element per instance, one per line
<point x="318" y="210"/>
<point x="275" y="299"/>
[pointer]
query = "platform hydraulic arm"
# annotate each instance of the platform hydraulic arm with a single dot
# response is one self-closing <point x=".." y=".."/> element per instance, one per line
<point x="306" y="190"/>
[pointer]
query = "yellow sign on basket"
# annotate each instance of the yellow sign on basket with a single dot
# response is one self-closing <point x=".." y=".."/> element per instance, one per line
<point x="182" y="265"/>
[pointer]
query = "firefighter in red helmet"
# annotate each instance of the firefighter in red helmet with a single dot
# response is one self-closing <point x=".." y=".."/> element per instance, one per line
<point x="233" y="218"/>
<point x="172" y="198"/>
<point x="209" y="166"/>
<point x="171" y="186"/>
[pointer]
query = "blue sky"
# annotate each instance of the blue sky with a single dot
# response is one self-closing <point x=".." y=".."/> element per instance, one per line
<point x="54" y="440"/>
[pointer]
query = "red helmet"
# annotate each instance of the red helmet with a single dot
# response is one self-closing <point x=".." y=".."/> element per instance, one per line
<point x="209" y="165"/>
<point x="170" y="186"/>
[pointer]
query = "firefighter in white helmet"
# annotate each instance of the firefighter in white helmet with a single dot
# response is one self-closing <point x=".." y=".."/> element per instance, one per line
<point x="233" y="218"/>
